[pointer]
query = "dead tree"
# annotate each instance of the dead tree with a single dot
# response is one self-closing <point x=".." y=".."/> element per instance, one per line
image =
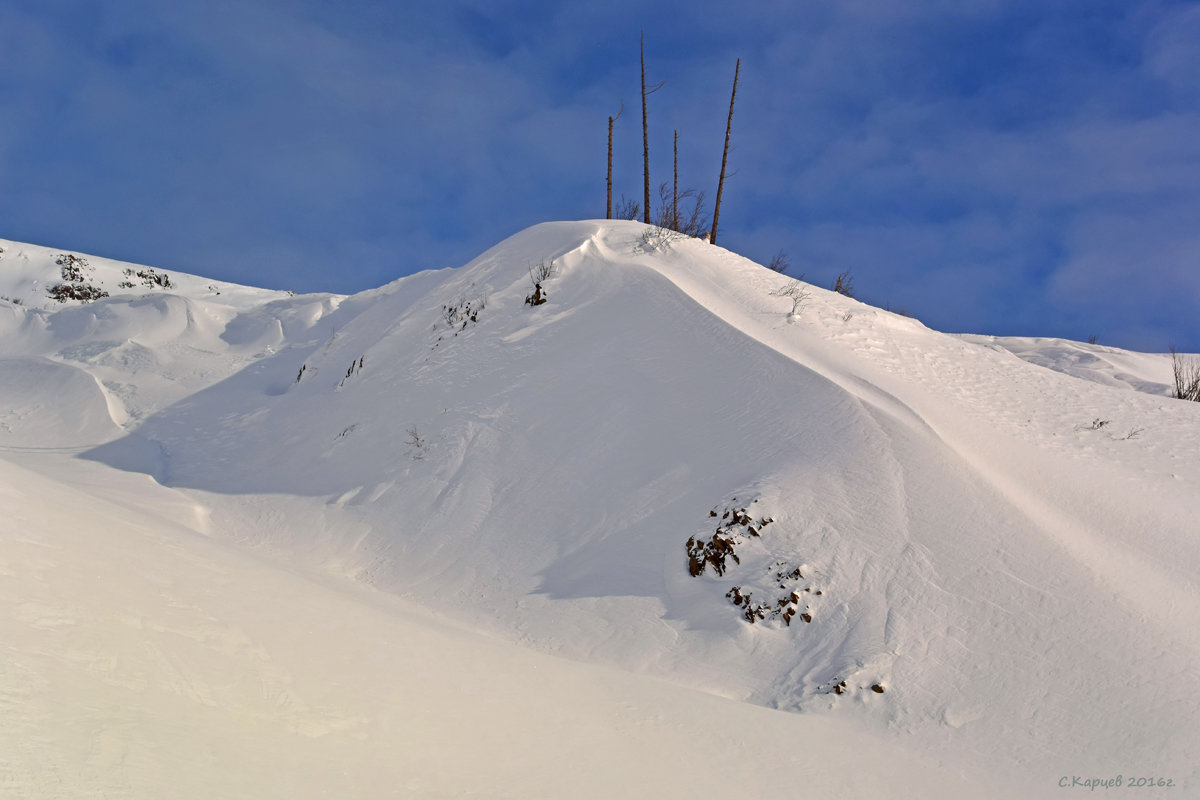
<point x="725" y="155"/>
<point x="611" y="120"/>
<point x="646" y="136"/>
<point x="675" y="185"/>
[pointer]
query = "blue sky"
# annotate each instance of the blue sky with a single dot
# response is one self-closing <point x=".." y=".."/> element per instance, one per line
<point x="1017" y="168"/>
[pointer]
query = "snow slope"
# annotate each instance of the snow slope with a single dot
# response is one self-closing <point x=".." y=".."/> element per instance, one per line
<point x="143" y="346"/>
<point x="143" y="659"/>
<point x="1145" y="372"/>
<point x="28" y="273"/>
<point x="1007" y="551"/>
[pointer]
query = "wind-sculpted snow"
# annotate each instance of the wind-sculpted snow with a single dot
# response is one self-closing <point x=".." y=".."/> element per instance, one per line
<point x="145" y="658"/>
<point x="836" y="511"/>
<point x="45" y="404"/>
<point x="1145" y="372"/>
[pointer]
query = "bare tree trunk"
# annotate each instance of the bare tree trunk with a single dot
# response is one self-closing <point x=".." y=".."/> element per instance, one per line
<point x="645" y="141"/>
<point x="725" y="155"/>
<point x="646" y="136"/>
<point x="608" y="180"/>
<point x="611" y="120"/>
<point x="608" y="202"/>
<point x="675" y="186"/>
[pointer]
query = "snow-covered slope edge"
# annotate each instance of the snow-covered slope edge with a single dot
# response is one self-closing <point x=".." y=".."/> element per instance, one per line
<point x="954" y="528"/>
<point x="142" y="659"/>
<point x="133" y="339"/>
<point x="29" y="274"/>
<point x="1146" y="372"/>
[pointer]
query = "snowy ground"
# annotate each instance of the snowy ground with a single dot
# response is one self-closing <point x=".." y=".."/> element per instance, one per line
<point x="432" y="541"/>
<point x="143" y="659"/>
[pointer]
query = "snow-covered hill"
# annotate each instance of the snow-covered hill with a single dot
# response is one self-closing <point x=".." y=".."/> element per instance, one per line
<point x="30" y="275"/>
<point x="155" y="337"/>
<point x="927" y="543"/>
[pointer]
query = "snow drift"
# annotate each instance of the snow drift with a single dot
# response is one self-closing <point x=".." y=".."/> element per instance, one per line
<point x="836" y="512"/>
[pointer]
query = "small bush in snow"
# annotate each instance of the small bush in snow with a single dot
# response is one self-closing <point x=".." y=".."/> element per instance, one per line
<point x="415" y="444"/>
<point x="73" y="286"/>
<point x="83" y="292"/>
<point x="539" y="275"/>
<point x="1187" y="377"/>
<point x="844" y="284"/>
<point x="655" y="239"/>
<point x="794" y="291"/>
<point x="72" y="266"/>
<point x="779" y="263"/>
<point x="147" y="277"/>
<point x="458" y="315"/>
<point x="693" y="223"/>
<point x="627" y="209"/>
<point x="543" y="271"/>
